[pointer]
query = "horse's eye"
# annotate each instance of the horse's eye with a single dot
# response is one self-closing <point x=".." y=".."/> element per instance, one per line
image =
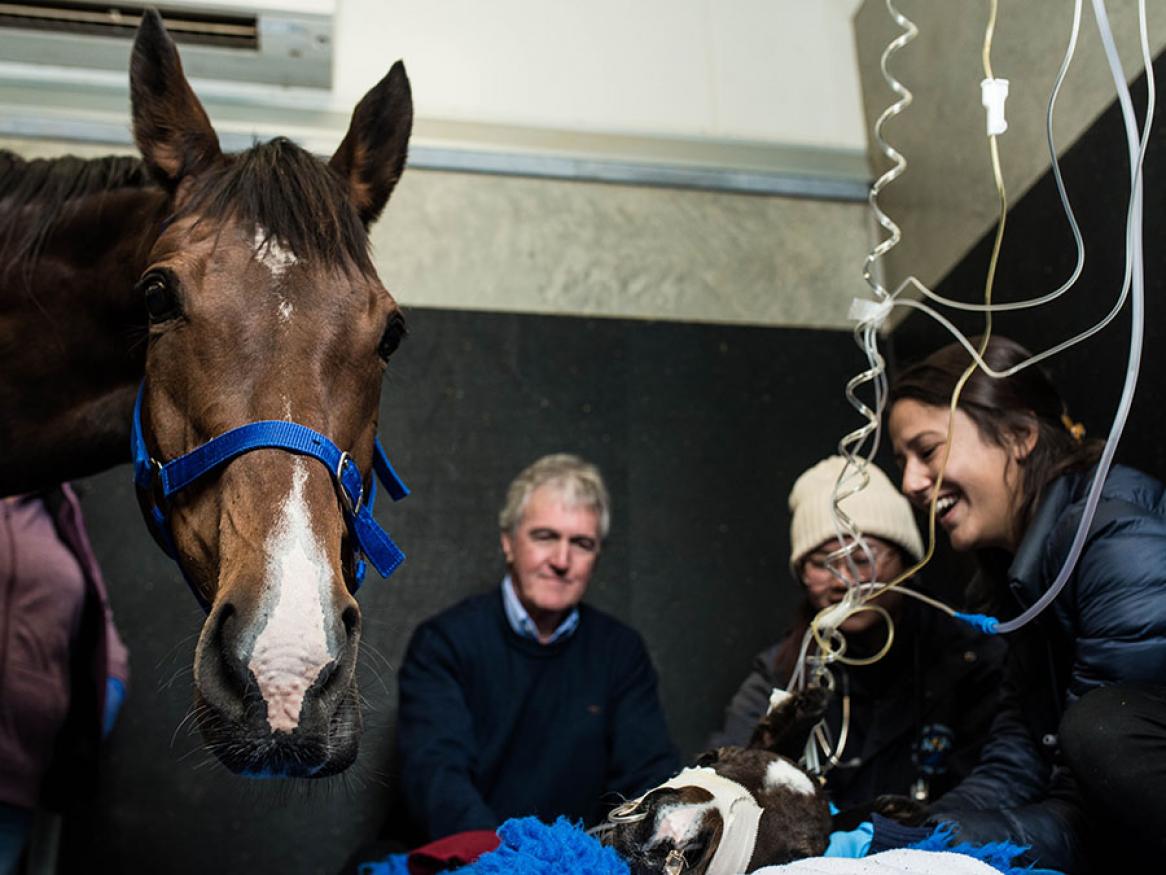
<point x="161" y="299"/>
<point x="394" y="334"/>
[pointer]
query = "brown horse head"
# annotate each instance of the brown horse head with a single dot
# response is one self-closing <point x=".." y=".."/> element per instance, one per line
<point x="264" y="305"/>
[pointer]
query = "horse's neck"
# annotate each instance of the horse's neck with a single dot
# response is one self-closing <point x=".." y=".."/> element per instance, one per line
<point x="73" y="340"/>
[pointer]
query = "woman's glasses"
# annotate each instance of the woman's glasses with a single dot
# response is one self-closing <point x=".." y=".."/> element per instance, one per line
<point x="819" y="561"/>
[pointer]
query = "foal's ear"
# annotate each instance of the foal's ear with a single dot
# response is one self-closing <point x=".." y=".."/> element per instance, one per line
<point x="171" y="128"/>
<point x="372" y="155"/>
<point x="786" y="728"/>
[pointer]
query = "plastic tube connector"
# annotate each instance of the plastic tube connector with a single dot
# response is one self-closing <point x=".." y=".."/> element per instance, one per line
<point x="982" y="622"/>
<point x="864" y="310"/>
<point x="993" y="93"/>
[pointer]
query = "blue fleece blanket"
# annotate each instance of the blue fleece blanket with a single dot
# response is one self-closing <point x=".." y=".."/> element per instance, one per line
<point x="531" y="847"/>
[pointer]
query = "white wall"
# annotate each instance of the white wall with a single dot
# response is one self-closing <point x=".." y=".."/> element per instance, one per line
<point x="780" y="71"/>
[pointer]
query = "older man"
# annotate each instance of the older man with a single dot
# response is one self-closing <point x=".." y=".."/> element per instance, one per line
<point x="524" y="700"/>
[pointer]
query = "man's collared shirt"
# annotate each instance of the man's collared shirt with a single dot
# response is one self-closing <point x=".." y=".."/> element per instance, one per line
<point x="521" y="622"/>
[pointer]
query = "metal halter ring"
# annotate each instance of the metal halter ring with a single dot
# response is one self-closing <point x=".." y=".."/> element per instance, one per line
<point x="344" y="497"/>
<point x="627" y="813"/>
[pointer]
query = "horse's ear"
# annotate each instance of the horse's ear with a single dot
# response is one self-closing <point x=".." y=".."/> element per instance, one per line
<point x="372" y="154"/>
<point x="171" y="128"/>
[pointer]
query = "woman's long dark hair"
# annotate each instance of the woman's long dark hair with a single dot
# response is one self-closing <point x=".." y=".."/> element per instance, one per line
<point x="1003" y="411"/>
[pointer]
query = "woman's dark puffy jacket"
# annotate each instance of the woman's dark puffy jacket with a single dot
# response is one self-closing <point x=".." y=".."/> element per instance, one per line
<point x="1107" y="626"/>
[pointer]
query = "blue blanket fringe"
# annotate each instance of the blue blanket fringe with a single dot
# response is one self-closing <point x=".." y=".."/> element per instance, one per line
<point x="999" y="855"/>
<point x="394" y="864"/>
<point x="531" y="847"/>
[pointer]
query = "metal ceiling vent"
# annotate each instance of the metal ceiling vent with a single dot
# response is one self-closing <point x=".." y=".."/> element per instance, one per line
<point x="285" y="42"/>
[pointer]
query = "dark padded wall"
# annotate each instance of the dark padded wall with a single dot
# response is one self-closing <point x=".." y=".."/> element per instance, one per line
<point x="1038" y="255"/>
<point x="700" y="431"/>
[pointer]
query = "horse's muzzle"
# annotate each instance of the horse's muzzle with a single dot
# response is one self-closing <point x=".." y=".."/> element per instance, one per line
<point x="303" y="724"/>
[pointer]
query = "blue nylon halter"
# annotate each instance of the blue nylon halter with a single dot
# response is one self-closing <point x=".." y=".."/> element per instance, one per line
<point x="372" y="541"/>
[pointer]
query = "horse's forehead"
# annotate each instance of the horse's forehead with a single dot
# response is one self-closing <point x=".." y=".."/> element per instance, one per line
<point x="244" y="253"/>
<point x="272" y="253"/>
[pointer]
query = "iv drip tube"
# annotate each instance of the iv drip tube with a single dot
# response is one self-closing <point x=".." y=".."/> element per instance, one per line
<point x="1137" y="310"/>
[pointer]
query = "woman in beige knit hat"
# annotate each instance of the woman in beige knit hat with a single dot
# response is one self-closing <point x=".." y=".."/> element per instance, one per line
<point x="884" y="517"/>
<point x="919" y="715"/>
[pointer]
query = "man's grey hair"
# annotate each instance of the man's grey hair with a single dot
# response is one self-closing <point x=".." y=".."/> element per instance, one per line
<point x="578" y="482"/>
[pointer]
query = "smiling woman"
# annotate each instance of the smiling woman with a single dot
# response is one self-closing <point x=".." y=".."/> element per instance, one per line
<point x="976" y="502"/>
<point x="1086" y="682"/>
<point x="1014" y="437"/>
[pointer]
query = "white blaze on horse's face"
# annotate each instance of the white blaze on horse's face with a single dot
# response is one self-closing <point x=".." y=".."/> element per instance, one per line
<point x="277" y="258"/>
<point x="271" y="253"/>
<point x="292" y="648"/>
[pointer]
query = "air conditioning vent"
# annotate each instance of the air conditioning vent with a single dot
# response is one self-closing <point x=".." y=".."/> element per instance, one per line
<point x="268" y="42"/>
<point x="102" y="19"/>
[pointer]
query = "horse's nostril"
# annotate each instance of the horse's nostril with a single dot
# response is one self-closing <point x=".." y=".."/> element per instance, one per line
<point x="218" y="670"/>
<point x="232" y="673"/>
<point x="351" y="620"/>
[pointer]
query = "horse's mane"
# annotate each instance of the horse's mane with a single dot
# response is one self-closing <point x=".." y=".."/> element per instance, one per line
<point x="50" y="184"/>
<point x="293" y="196"/>
<point x="277" y="185"/>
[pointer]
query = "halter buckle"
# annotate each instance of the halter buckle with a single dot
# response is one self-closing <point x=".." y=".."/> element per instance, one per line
<point x="157" y="485"/>
<point x="675" y="863"/>
<point x="346" y="459"/>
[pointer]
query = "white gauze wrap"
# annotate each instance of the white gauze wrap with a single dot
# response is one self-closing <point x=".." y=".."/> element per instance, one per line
<point x="739" y="812"/>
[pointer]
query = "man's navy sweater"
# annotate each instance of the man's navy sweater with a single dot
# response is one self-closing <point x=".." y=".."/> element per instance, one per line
<point x="492" y="725"/>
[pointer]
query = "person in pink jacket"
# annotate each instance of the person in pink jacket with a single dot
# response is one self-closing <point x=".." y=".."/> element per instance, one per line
<point x="63" y="667"/>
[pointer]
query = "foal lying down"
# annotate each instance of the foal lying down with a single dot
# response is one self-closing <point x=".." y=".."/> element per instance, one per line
<point x="737" y="809"/>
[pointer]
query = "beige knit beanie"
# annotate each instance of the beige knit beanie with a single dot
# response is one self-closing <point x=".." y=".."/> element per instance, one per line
<point x="879" y="510"/>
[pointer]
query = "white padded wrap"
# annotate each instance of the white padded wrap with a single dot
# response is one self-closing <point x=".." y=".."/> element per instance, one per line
<point x="739" y="812"/>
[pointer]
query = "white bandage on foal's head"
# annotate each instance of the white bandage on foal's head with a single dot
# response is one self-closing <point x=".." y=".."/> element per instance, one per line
<point x="739" y="811"/>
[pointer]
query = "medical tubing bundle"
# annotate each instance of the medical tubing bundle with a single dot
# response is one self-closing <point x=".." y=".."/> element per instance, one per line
<point x="872" y="313"/>
<point x="1074" y="227"/>
<point x="1100" y="16"/>
<point x="899" y="163"/>
<point x="866" y="335"/>
<point x="854" y="601"/>
<point x="1137" y="309"/>
<point x="1133" y="280"/>
<point x="851" y="446"/>
<point x="854" y="477"/>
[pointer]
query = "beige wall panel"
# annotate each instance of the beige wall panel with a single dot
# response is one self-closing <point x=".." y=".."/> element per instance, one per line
<point x="947" y="200"/>
<point x="496" y="243"/>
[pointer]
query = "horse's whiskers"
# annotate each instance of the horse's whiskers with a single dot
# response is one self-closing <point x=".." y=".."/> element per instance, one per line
<point x="179" y="672"/>
<point x="191" y="716"/>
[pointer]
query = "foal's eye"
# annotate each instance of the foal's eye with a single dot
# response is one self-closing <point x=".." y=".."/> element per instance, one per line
<point x="161" y="299"/>
<point x="394" y="334"/>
